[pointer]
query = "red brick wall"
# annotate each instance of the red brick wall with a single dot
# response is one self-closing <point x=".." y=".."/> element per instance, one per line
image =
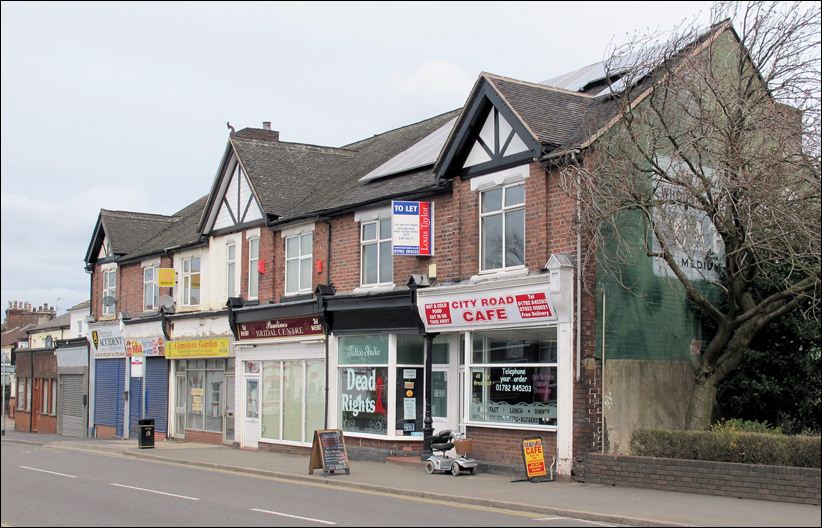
<point x="502" y="447"/>
<point x="204" y="437"/>
<point x="106" y="431"/>
<point x="96" y="292"/>
<point x="345" y="253"/>
<point x="22" y="419"/>
<point x="265" y="290"/>
<point x="130" y="289"/>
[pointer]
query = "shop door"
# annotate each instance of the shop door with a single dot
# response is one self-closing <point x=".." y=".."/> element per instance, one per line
<point x="228" y="414"/>
<point x="35" y="403"/>
<point x="439" y="398"/>
<point x="251" y="422"/>
<point x="180" y="406"/>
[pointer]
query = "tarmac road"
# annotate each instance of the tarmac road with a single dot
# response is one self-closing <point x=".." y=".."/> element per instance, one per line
<point x="43" y="486"/>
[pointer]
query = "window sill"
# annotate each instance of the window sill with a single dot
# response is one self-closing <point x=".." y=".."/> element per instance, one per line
<point x="384" y="286"/>
<point x="490" y="425"/>
<point x="298" y="296"/>
<point x="502" y="273"/>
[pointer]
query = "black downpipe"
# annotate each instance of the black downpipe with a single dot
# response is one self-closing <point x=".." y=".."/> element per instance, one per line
<point x="31" y="403"/>
<point x="327" y="222"/>
<point x="89" y="426"/>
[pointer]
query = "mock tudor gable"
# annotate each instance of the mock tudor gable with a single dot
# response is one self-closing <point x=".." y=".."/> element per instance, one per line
<point x="232" y="203"/>
<point x="488" y="136"/>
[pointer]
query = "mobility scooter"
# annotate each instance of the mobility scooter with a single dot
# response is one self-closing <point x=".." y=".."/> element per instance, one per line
<point x="443" y="442"/>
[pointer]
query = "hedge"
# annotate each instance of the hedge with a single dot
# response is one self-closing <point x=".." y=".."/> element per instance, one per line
<point x="729" y="446"/>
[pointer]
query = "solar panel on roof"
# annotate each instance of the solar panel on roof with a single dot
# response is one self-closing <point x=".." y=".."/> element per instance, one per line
<point x="420" y="154"/>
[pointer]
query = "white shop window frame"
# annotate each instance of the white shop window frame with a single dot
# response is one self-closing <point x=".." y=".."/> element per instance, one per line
<point x="467" y="394"/>
<point x="391" y="416"/>
<point x="368" y="216"/>
<point x="107" y="270"/>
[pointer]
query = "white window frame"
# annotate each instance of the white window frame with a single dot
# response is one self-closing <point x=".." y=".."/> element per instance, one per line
<point x="253" y="261"/>
<point x="504" y="209"/>
<point x="45" y="387"/>
<point x="231" y="269"/>
<point x="155" y="290"/>
<point x="377" y="241"/>
<point x="297" y="260"/>
<point x="187" y="275"/>
<point x="21" y="394"/>
<point x="470" y="365"/>
<point x="53" y="397"/>
<point x="29" y="384"/>
<point x="109" y="290"/>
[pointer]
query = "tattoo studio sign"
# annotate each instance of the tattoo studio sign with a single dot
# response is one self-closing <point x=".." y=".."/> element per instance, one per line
<point x="492" y="308"/>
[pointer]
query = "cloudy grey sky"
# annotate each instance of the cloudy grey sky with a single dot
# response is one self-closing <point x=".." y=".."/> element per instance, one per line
<point x="123" y="106"/>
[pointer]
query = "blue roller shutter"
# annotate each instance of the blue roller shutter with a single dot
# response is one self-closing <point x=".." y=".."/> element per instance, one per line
<point x="108" y="393"/>
<point x="157" y="392"/>
<point x="134" y="389"/>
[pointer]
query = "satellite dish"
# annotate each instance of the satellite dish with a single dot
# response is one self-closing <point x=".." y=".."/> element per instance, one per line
<point x="166" y="301"/>
<point x="108" y="300"/>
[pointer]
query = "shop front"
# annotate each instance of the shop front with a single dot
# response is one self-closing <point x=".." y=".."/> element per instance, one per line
<point x="110" y="385"/>
<point x="148" y="367"/>
<point x="376" y="373"/>
<point x="72" y="387"/>
<point x="202" y="389"/>
<point x="517" y="376"/>
<point x="281" y="374"/>
<point x="36" y="371"/>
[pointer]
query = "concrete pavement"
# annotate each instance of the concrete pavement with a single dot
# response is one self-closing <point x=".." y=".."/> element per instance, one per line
<point x="608" y="504"/>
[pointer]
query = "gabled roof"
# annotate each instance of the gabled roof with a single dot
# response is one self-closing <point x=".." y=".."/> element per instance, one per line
<point x="181" y="233"/>
<point x="125" y="231"/>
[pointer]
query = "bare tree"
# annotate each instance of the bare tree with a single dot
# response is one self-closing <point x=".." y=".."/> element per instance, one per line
<point x="715" y="153"/>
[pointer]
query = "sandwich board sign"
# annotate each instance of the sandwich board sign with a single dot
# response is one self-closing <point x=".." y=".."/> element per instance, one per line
<point x="328" y="452"/>
<point x="533" y="457"/>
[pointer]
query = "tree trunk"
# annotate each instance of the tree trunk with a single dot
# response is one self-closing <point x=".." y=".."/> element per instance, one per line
<point x="701" y="405"/>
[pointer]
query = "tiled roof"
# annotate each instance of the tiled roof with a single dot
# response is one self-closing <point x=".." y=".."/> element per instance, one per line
<point x="12" y="335"/>
<point x="182" y="232"/>
<point x="125" y="230"/>
<point x="57" y="322"/>
<point x="80" y="306"/>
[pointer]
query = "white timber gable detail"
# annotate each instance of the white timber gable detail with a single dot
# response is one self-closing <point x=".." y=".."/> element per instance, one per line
<point x="496" y="140"/>
<point x="237" y="204"/>
<point x="105" y="249"/>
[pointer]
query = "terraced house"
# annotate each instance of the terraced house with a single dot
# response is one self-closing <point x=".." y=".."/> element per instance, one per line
<point x="282" y="302"/>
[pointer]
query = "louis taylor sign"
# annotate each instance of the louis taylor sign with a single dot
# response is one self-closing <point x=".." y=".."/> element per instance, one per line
<point x="412" y="227"/>
<point x="487" y="309"/>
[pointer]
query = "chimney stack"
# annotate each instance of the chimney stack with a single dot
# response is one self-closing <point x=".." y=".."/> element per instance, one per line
<point x="266" y="125"/>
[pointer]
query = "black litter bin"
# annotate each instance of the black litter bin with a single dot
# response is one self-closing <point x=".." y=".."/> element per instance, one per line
<point x="145" y="435"/>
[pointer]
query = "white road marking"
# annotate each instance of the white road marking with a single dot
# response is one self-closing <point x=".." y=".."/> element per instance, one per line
<point x="557" y="518"/>
<point x="154" y="491"/>
<point x="52" y="472"/>
<point x="293" y="516"/>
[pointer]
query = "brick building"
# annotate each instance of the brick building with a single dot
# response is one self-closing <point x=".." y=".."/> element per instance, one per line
<point x="290" y="306"/>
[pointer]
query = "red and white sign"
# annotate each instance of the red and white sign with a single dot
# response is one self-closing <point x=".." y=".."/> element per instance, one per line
<point x="492" y="308"/>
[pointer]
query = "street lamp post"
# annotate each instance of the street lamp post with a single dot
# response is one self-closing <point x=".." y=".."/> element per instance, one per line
<point x="427" y="422"/>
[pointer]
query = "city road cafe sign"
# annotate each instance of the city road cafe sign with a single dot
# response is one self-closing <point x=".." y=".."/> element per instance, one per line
<point x="293" y="327"/>
<point x="487" y="308"/>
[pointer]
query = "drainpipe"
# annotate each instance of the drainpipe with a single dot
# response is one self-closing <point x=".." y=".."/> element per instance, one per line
<point x="602" y="440"/>
<point x="321" y="305"/>
<point x="578" y="322"/>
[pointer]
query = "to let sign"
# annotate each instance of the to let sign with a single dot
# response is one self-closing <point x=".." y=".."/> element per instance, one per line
<point x="412" y="228"/>
<point x="493" y="308"/>
<point x="293" y="327"/>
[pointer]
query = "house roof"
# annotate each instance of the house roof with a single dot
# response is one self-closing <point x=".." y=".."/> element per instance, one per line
<point x="181" y="233"/>
<point x="126" y="230"/>
<point x="60" y="321"/>
<point x="11" y="336"/>
<point x="80" y="306"/>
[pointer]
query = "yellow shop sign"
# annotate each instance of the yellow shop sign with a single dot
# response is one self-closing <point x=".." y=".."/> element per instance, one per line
<point x="165" y="277"/>
<point x="197" y="348"/>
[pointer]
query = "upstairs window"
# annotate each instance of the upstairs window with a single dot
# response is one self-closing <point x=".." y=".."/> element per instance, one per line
<point x="109" y="290"/>
<point x="502" y="227"/>
<point x="376" y="258"/>
<point x="191" y="281"/>
<point x="298" y="254"/>
<point x="151" y="288"/>
<point x="253" y="264"/>
<point x="231" y="269"/>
